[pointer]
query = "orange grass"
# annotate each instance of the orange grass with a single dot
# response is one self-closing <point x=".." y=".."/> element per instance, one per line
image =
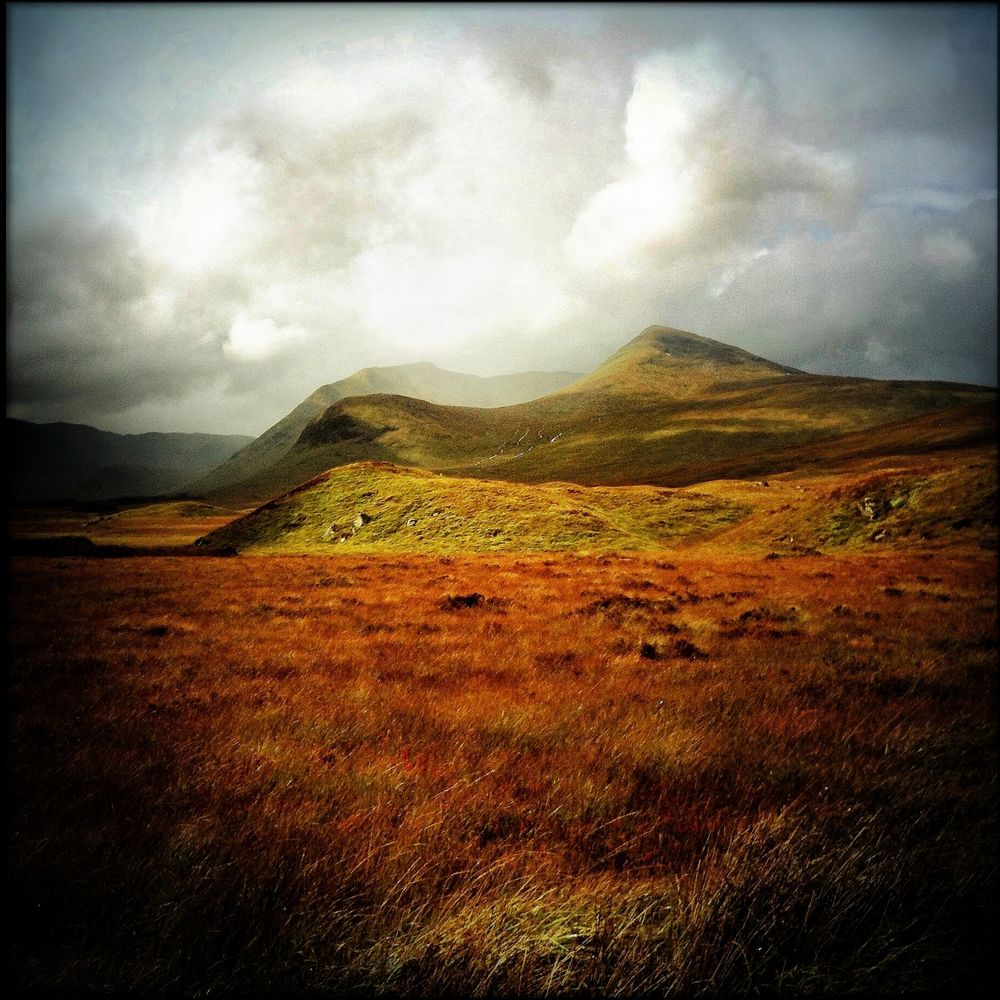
<point x="170" y="524"/>
<point x="616" y="775"/>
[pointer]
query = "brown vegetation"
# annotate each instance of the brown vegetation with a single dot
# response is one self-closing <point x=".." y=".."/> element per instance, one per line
<point x="671" y="774"/>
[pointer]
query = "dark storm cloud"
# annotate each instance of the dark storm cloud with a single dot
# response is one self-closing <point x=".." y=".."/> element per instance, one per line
<point x="79" y="330"/>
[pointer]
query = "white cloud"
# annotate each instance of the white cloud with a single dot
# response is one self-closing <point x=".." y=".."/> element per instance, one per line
<point x="950" y="254"/>
<point x="204" y="213"/>
<point x="657" y="191"/>
<point x="721" y="286"/>
<point x="253" y="338"/>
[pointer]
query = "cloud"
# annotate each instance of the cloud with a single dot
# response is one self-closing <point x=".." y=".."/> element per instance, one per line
<point x="300" y="198"/>
<point x="949" y="253"/>
<point x="704" y="159"/>
<point x="91" y="325"/>
<point x="863" y="301"/>
<point x="253" y="338"/>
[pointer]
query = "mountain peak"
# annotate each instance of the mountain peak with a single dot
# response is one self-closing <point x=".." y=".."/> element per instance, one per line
<point x="683" y="344"/>
<point x="687" y="362"/>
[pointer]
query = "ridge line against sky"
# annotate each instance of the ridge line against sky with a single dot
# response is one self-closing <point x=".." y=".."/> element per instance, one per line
<point x="214" y="209"/>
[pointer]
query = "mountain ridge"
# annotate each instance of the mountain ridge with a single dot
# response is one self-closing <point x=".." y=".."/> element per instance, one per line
<point x="421" y="379"/>
<point x="666" y="401"/>
<point x="644" y="357"/>
<point x="62" y="460"/>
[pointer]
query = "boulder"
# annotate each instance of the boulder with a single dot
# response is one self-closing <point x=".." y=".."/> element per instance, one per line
<point x="872" y="508"/>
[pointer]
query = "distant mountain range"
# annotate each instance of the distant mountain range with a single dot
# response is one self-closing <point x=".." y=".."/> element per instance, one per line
<point x="669" y="408"/>
<point x="62" y="461"/>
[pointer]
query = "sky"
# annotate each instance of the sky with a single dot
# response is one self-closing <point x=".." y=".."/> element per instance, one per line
<point x="213" y="210"/>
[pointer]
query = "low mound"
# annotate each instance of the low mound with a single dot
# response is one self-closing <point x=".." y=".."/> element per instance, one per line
<point x="945" y="497"/>
<point x="381" y="507"/>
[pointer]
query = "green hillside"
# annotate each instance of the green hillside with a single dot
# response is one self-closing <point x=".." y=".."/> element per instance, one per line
<point x="670" y="408"/>
<point x="406" y="510"/>
<point x="420" y="381"/>
<point x="690" y="362"/>
<point x="942" y="493"/>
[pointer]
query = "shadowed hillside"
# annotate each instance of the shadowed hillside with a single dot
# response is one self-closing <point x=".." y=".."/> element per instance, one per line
<point x="668" y="408"/>
<point x="62" y="461"/>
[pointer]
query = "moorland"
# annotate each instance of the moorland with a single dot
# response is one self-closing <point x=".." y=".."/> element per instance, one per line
<point x="689" y="691"/>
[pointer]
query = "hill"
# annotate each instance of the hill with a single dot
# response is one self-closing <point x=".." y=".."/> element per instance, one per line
<point x="844" y="501"/>
<point x="667" y="408"/>
<point x="689" y="362"/>
<point x="61" y="461"/>
<point x="380" y="507"/>
<point x="422" y="381"/>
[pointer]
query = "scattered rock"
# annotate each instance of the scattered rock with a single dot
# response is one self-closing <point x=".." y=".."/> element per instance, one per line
<point x="872" y="507"/>
<point x="411" y="522"/>
<point x="361" y="520"/>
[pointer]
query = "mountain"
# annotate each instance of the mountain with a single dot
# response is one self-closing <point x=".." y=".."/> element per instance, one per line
<point x="421" y="381"/>
<point x="663" y="409"/>
<point x="686" y="362"/>
<point x="62" y="461"/>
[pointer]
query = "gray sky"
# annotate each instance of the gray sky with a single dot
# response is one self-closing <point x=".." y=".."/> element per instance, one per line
<point x="212" y="210"/>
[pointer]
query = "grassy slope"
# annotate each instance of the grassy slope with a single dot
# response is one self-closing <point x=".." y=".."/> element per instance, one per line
<point x="939" y="496"/>
<point x="669" y="408"/>
<point x="468" y="515"/>
<point x="422" y="381"/>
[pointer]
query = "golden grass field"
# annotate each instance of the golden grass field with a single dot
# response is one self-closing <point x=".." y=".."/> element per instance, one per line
<point x="682" y="772"/>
